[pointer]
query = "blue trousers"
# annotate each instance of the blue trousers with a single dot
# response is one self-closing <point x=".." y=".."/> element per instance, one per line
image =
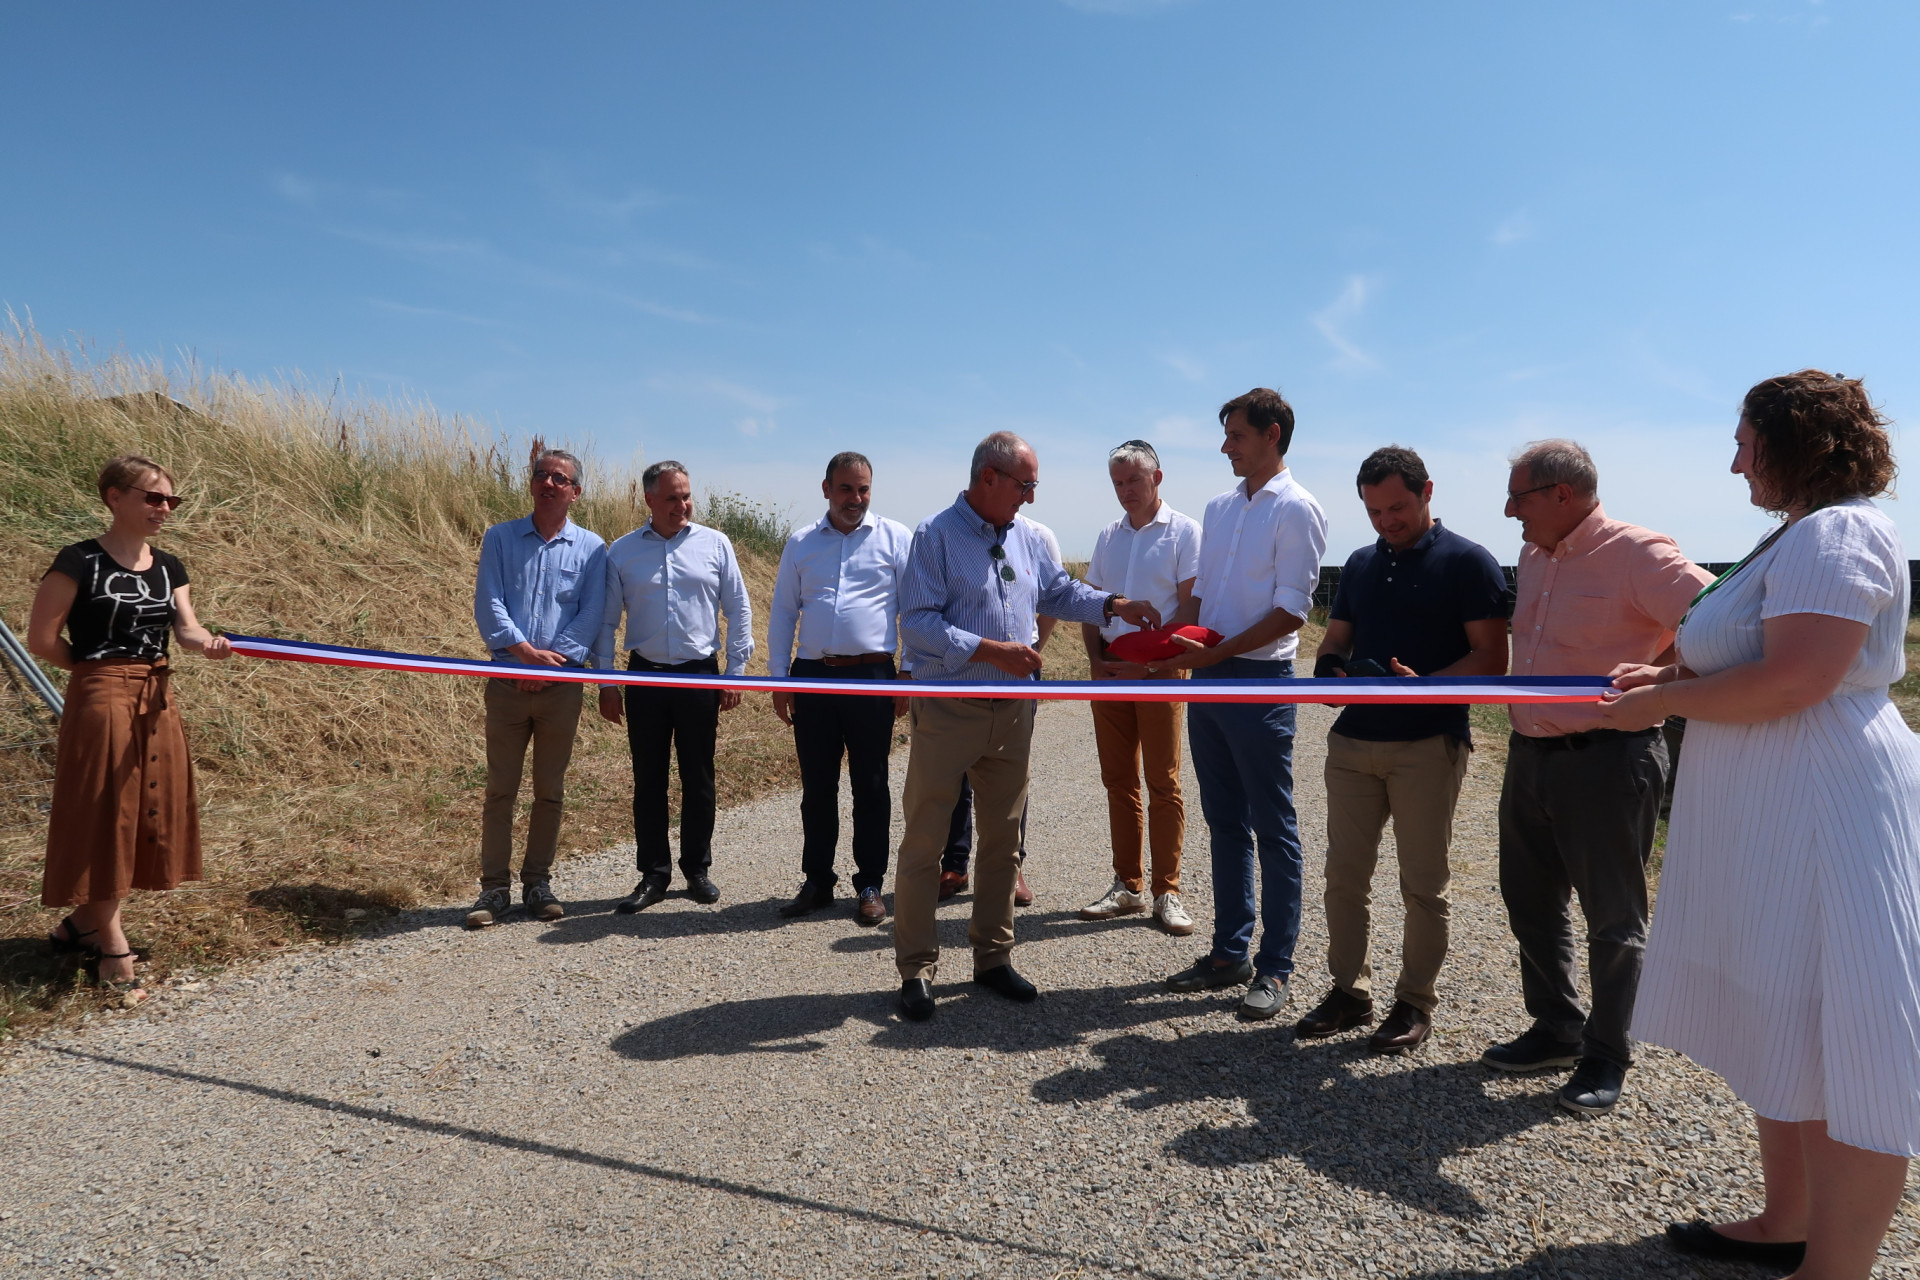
<point x="1243" y="756"/>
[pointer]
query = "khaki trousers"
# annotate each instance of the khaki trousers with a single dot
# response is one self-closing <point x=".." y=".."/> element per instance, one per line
<point x="548" y="718"/>
<point x="1416" y="784"/>
<point x="987" y="741"/>
<point x="1130" y="735"/>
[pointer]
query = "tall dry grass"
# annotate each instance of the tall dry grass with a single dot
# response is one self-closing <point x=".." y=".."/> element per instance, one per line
<point x="352" y="521"/>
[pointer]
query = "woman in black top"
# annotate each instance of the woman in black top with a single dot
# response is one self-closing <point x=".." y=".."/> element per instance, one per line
<point x="123" y="805"/>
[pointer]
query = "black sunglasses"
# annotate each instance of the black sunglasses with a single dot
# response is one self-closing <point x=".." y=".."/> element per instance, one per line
<point x="167" y="500"/>
<point x="999" y="553"/>
<point x="556" y="478"/>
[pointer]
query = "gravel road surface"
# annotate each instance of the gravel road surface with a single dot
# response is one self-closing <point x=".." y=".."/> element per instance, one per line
<point x="712" y="1091"/>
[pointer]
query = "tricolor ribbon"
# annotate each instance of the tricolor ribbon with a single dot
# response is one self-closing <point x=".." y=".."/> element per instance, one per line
<point x="1357" y="689"/>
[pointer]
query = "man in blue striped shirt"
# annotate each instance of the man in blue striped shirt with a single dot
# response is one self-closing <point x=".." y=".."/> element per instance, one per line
<point x="538" y="599"/>
<point x="975" y="582"/>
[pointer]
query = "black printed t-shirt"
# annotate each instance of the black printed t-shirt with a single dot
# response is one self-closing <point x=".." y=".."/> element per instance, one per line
<point x="118" y="613"/>
<point x="1414" y="605"/>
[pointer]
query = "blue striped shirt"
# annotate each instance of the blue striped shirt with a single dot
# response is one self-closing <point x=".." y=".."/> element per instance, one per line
<point x="547" y="593"/>
<point x="952" y="595"/>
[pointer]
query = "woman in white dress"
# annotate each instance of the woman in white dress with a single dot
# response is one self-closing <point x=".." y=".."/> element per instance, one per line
<point x="1785" y="950"/>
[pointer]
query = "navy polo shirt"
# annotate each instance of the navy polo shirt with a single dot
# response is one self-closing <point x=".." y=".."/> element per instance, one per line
<point x="1414" y="605"/>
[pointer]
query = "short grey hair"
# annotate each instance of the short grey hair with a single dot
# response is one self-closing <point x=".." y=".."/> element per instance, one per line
<point x="1137" y="452"/>
<point x="651" y="476"/>
<point x="1559" y="462"/>
<point x="579" y="472"/>
<point x="1001" y="450"/>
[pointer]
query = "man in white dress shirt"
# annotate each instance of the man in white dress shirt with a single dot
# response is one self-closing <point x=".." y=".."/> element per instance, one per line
<point x="1260" y="548"/>
<point x="836" y="615"/>
<point x="674" y="580"/>
<point x="1150" y="553"/>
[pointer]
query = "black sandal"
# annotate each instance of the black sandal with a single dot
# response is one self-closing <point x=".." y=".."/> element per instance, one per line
<point x="119" y="986"/>
<point x="71" y="942"/>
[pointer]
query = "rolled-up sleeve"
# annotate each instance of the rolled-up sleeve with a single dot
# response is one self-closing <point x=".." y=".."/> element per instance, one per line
<point x="490" y="595"/>
<point x="738" y="607"/>
<point x="1300" y="539"/>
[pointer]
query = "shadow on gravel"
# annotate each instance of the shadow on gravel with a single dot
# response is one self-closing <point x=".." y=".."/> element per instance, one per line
<point x="1029" y="926"/>
<point x="592" y="921"/>
<point x="969" y="1018"/>
<point x="1650" y="1256"/>
<point x="1386" y="1134"/>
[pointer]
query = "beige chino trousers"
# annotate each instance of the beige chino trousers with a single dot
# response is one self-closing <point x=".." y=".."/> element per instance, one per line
<point x="1416" y="784"/>
<point x="548" y="719"/>
<point x="986" y="740"/>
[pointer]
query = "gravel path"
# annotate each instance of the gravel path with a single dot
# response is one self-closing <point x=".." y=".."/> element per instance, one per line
<point x="714" y="1092"/>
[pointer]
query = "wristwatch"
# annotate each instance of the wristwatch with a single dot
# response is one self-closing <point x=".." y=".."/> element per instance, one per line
<point x="1106" y="608"/>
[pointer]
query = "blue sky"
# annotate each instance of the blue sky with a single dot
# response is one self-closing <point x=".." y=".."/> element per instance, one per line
<point x="747" y="235"/>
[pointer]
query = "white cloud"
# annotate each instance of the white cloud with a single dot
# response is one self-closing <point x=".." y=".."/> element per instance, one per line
<point x="1334" y="319"/>
<point x="1515" y="227"/>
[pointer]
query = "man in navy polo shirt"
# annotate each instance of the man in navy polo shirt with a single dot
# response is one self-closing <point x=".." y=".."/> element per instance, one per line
<point x="1420" y="601"/>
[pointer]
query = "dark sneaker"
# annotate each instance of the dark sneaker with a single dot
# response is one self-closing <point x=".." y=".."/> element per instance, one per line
<point x="1594" y="1087"/>
<point x="490" y="907"/>
<point x="541" y="904"/>
<point x="1264" y="998"/>
<point x="1536" y="1050"/>
<point x="1204" y="975"/>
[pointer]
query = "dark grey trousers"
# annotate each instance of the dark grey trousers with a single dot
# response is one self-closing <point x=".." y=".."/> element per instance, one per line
<point x="1577" y="816"/>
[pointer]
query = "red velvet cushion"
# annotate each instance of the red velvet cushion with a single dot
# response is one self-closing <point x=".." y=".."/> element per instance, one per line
<point x="1151" y="646"/>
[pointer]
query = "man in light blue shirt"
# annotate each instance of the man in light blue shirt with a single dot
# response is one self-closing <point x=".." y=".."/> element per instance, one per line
<point x="674" y="580"/>
<point x="836" y="606"/>
<point x="538" y="599"/>
<point x="976" y="579"/>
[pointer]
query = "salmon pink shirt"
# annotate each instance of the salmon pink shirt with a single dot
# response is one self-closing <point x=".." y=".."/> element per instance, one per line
<point x="1609" y="593"/>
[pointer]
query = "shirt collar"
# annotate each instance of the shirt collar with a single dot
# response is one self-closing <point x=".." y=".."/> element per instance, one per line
<point x="975" y="521"/>
<point x="825" y="523"/>
<point x="1583" y="535"/>
<point x="568" y="529"/>
<point x="1427" y="539"/>
<point x="1162" y="514"/>
<point x="1281" y="479"/>
<point x="648" y="531"/>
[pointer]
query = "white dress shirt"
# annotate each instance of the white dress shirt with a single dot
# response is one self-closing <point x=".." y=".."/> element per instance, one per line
<point x="1147" y="564"/>
<point x="1052" y="544"/>
<point x="1259" y="553"/>
<point x="837" y="593"/>
<point x="673" y="591"/>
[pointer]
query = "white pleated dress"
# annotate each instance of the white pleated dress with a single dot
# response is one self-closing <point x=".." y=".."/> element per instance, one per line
<point x="1785" y="949"/>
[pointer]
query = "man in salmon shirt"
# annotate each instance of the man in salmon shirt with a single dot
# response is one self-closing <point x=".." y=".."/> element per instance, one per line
<point x="1579" y="802"/>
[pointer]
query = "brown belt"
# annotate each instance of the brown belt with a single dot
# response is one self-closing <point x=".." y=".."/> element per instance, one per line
<point x="854" y="659"/>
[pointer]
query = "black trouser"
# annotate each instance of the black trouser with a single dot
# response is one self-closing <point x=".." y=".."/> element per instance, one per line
<point x="662" y="724"/>
<point x="1577" y="815"/>
<point x="959" y="850"/>
<point x="826" y="726"/>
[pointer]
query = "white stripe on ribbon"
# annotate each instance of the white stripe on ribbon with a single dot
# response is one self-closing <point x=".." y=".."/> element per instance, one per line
<point x="1389" y="689"/>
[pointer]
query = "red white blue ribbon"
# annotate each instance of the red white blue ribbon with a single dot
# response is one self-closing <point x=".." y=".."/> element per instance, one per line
<point x="1358" y="689"/>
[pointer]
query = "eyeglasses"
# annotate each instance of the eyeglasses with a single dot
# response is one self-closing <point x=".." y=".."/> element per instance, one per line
<point x="1515" y="497"/>
<point x="1026" y="486"/>
<point x="167" y="500"/>
<point x="558" y="479"/>
<point x="999" y="553"/>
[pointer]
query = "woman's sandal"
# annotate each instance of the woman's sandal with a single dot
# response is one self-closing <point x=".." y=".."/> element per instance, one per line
<point x="71" y="942"/>
<point x="120" y="986"/>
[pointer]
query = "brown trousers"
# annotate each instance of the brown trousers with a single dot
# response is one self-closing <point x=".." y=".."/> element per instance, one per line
<point x="1130" y="735"/>
<point x="124" y="815"/>
<point x="1416" y="784"/>
<point x="987" y="741"/>
<point x="549" y="719"/>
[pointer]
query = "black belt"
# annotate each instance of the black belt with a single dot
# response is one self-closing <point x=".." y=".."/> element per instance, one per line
<point x="1581" y="741"/>
<point x="637" y="663"/>
<point x="853" y="659"/>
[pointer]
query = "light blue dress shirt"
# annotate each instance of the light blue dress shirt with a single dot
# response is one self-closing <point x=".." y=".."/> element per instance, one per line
<point x="953" y="595"/>
<point x="674" y="591"/>
<point x="837" y="593"/>
<point x="550" y="594"/>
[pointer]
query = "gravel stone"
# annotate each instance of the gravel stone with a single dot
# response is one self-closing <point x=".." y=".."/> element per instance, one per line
<point x="713" y="1091"/>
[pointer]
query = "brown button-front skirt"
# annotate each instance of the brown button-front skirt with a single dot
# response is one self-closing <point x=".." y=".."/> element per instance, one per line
<point x="123" y="806"/>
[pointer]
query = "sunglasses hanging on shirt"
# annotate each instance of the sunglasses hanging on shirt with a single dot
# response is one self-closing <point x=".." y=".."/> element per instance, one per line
<point x="999" y="553"/>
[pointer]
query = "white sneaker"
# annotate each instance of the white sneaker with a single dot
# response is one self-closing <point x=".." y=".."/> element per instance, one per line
<point x="1120" y="901"/>
<point x="1172" y="916"/>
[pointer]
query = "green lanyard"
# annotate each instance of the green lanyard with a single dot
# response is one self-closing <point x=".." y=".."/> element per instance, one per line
<point x="1713" y="586"/>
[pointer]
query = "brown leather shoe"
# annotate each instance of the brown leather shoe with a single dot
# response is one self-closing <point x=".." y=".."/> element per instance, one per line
<point x="1405" y="1028"/>
<point x="1338" y="1012"/>
<point x="1022" y="896"/>
<point x="952" y="882"/>
<point x="870" y="911"/>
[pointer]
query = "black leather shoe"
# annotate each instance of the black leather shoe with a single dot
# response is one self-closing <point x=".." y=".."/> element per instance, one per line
<point x="1701" y="1240"/>
<point x="1405" y="1028"/>
<point x="1594" y="1087"/>
<point x="701" y="889"/>
<point x="916" y="999"/>
<point x="644" y="895"/>
<point x="811" y="898"/>
<point x="1204" y="975"/>
<point x="1007" y="982"/>
<point x="1338" y="1012"/>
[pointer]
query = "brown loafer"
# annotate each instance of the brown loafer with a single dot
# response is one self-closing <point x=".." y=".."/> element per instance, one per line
<point x="1406" y="1028"/>
<point x="952" y="882"/>
<point x="1022" y="896"/>
<point x="1338" y="1012"/>
<point x="870" y="911"/>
